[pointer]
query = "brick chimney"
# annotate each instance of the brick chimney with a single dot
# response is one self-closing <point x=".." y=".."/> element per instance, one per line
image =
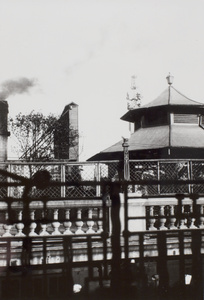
<point x="66" y="142"/>
<point x="3" y="130"/>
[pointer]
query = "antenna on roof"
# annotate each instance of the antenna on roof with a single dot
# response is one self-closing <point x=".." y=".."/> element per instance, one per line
<point x="170" y="79"/>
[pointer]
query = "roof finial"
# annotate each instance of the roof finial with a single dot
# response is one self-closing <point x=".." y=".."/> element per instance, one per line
<point x="170" y="79"/>
<point x="133" y="98"/>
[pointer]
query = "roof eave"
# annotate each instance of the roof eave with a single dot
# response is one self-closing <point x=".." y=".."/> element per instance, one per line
<point x="131" y="115"/>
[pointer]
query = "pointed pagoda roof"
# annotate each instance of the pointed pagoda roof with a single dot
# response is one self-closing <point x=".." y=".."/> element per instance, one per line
<point x="171" y="96"/>
<point x="170" y="99"/>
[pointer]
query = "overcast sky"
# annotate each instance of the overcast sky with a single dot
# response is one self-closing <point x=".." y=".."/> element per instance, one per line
<point x="86" y="51"/>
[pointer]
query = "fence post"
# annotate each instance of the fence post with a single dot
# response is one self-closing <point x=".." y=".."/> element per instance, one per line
<point x="63" y="189"/>
<point x="158" y="176"/>
<point x="126" y="159"/>
<point x="9" y="180"/>
<point x="162" y="263"/>
<point x="97" y="172"/>
<point x="115" y="238"/>
<point x="197" y="276"/>
<point x="189" y="169"/>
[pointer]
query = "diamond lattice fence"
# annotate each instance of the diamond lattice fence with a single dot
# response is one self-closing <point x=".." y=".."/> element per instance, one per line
<point x="28" y="171"/>
<point x="110" y="171"/>
<point x="174" y="171"/>
<point x="3" y="190"/>
<point x="52" y="191"/>
<point x="144" y="170"/>
<point x="80" y="173"/>
<point x="197" y="169"/>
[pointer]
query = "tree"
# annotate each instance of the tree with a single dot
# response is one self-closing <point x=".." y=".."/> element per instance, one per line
<point x="35" y="134"/>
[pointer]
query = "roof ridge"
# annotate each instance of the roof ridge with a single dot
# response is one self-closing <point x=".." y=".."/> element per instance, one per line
<point x="185" y="95"/>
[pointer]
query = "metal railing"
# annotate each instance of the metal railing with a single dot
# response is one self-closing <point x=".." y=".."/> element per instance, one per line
<point x="48" y="239"/>
<point x="140" y="170"/>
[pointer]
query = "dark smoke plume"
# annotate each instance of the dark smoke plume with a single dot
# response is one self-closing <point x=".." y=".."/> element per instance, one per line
<point x="16" y="86"/>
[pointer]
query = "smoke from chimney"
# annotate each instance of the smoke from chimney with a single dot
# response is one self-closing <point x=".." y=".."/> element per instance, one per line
<point x="16" y="86"/>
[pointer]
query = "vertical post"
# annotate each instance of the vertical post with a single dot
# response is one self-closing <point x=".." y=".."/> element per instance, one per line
<point x="158" y="176"/>
<point x="97" y="172"/>
<point x="9" y="180"/>
<point x="162" y="263"/>
<point x="189" y="168"/>
<point x="126" y="159"/>
<point x="126" y="178"/>
<point x="63" y="190"/>
<point x="126" y="231"/>
<point x="181" y="237"/>
<point x="115" y="238"/>
<point x="197" y="280"/>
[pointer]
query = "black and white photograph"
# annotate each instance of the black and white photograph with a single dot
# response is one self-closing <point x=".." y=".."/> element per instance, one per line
<point x="101" y="150"/>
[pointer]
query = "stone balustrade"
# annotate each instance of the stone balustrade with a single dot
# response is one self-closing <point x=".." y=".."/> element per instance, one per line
<point x="72" y="217"/>
<point x="57" y="219"/>
<point x="163" y="213"/>
<point x="166" y="217"/>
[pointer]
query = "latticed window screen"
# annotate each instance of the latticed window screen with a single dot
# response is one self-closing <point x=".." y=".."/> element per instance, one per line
<point x="186" y="118"/>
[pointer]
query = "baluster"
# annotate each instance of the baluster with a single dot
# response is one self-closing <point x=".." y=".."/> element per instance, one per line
<point x="43" y="231"/>
<point x="192" y="226"/>
<point x="7" y="227"/>
<point x="90" y="223"/>
<point x="192" y="220"/>
<point x="79" y="223"/>
<point x="67" y="223"/>
<point x="182" y="224"/>
<point x="100" y="222"/>
<point x="172" y="218"/>
<point x="20" y="226"/>
<point x="56" y="224"/>
<point x="33" y="225"/>
<point x="182" y="221"/>
<point x="162" y="219"/>
<point x="35" y="261"/>
<point x="151" y="220"/>
<point x="201" y="225"/>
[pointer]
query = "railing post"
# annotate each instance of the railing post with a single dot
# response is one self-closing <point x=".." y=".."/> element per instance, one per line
<point x="9" y="180"/>
<point x="115" y="238"/>
<point x="158" y="175"/>
<point x="126" y="159"/>
<point x="197" y="265"/>
<point x="98" y="177"/>
<point x="190" y="186"/>
<point x="162" y="263"/>
<point x="63" y="188"/>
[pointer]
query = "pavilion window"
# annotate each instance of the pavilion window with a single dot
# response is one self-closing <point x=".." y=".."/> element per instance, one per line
<point x="155" y="118"/>
<point x="201" y="121"/>
<point x="185" y="119"/>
